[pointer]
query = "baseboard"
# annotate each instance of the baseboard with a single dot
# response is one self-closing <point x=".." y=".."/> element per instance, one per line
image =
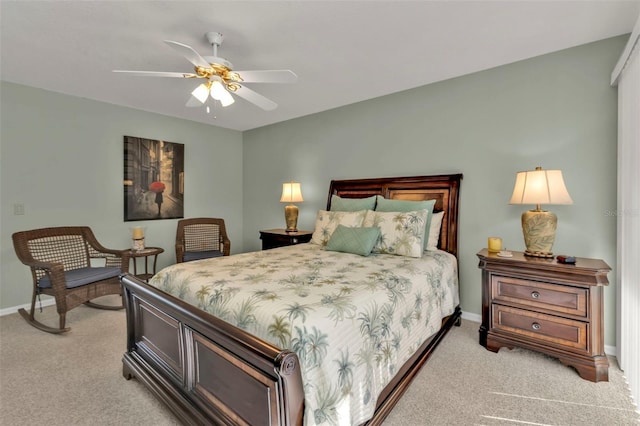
<point x="471" y="317"/>
<point x="611" y="350"/>
<point x="46" y="301"/>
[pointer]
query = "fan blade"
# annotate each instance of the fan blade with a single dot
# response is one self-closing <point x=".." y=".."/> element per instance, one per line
<point x="188" y="52"/>
<point x="268" y="76"/>
<point x="158" y="74"/>
<point x="255" y="98"/>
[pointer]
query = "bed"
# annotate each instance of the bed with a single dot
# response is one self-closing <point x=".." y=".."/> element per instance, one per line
<point x="183" y="345"/>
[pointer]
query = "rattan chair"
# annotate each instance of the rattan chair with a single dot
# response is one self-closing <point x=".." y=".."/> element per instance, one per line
<point x="61" y="260"/>
<point x="201" y="238"/>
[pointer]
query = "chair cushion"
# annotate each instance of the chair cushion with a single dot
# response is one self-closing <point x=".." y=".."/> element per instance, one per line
<point x="78" y="277"/>
<point x="197" y="255"/>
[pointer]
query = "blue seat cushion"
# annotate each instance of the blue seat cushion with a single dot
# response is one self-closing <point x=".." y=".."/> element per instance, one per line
<point x="197" y="255"/>
<point x="82" y="276"/>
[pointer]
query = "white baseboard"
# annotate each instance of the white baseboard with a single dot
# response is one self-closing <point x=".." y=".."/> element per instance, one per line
<point x="46" y="301"/>
<point x="471" y="317"/>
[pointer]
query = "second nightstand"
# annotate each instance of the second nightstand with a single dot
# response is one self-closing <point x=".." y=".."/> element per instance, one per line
<point x="546" y="306"/>
<point x="272" y="238"/>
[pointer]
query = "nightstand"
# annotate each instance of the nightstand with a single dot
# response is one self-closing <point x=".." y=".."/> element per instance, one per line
<point x="545" y="306"/>
<point x="272" y="238"/>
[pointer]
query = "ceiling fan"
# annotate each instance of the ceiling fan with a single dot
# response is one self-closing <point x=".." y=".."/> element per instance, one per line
<point x="222" y="82"/>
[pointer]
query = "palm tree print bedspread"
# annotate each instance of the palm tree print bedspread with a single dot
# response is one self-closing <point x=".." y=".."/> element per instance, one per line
<point x="352" y="320"/>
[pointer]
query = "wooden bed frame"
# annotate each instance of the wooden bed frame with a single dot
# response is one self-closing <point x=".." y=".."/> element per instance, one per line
<point x="208" y="371"/>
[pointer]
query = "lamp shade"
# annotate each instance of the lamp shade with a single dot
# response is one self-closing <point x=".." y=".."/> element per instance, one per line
<point x="219" y="92"/>
<point x="540" y="187"/>
<point x="291" y="193"/>
<point x="201" y="92"/>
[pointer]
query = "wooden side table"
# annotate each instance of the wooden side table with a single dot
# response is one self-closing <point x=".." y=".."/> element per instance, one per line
<point x="272" y="238"/>
<point x="546" y="306"/>
<point x="145" y="253"/>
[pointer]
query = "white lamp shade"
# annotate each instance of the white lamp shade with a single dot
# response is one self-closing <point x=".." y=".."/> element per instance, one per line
<point x="540" y="187"/>
<point x="226" y="99"/>
<point x="220" y="93"/>
<point x="217" y="90"/>
<point x="201" y="92"/>
<point x="291" y="193"/>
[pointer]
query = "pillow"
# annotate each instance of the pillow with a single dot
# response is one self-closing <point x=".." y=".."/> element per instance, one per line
<point x="401" y="233"/>
<point x="327" y="222"/>
<point x="385" y="205"/>
<point x="352" y="204"/>
<point x="434" y="230"/>
<point x="353" y="240"/>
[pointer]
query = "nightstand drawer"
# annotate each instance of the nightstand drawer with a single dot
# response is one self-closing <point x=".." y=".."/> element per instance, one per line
<point x="547" y="328"/>
<point x="558" y="298"/>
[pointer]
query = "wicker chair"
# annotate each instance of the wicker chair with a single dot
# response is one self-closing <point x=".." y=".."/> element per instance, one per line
<point x="61" y="266"/>
<point x="201" y="238"/>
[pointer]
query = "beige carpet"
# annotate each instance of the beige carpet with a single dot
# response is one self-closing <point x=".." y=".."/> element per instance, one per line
<point x="76" y="379"/>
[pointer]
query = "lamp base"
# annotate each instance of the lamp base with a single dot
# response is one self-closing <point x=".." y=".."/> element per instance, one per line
<point x="291" y="218"/>
<point x="539" y="230"/>
<point x="547" y="255"/>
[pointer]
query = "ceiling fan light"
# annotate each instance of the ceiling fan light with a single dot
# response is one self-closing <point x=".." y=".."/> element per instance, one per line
<point x="227" y="99"/>
<point x="217" y="90"/>
<point x="201" y="92"/>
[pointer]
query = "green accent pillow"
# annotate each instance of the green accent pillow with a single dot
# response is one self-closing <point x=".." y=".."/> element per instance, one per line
<point x="353" y="240"/>
<point x="385" y="205"/>
<point x="352" y="204"/>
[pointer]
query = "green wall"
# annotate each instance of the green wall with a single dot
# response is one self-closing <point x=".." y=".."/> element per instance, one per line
<point x="557" y="111"/>
<point x="62" y="158"/>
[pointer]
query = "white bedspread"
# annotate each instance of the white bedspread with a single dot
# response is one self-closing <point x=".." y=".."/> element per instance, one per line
<point x="352" y="320"/>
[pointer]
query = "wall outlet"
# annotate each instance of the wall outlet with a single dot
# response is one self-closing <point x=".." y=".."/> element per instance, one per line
<point x="18" y="209"/>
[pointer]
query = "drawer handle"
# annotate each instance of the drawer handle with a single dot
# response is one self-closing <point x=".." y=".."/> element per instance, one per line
<point x="536" y="326"/>
<point x="535" y="294"/>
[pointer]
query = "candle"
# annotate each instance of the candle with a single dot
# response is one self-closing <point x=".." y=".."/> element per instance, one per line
<point x="137" y="233"/>
<point x="494" y="244"/>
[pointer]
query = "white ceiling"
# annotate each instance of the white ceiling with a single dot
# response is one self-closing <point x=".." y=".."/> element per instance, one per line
<point x="342" y="51"/>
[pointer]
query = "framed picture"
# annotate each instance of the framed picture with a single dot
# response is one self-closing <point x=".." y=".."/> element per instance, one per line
<point x="153" y="179"/>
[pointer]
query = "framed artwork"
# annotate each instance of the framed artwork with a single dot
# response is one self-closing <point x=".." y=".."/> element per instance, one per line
<point x="153" y="179"/>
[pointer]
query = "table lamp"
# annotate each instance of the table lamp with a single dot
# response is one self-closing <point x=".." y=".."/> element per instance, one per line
<point x="539" y="226"/>
<point x="291" y="193"/>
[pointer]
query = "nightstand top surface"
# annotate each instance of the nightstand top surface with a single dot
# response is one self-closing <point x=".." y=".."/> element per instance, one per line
<point x="282" y="231"/>
<point x="540" y="262"/>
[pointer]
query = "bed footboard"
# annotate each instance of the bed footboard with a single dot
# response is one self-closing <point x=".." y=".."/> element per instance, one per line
<point x="206" y="370"/>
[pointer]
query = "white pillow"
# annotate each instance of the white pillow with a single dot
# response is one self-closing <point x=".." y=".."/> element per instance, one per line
<point x="401" y="233"/>
<point x="434" y="230"/>
<point x="328" y="221"/>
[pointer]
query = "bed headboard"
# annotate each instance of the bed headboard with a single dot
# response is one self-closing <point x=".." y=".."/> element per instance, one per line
<point x="442" y="188"/>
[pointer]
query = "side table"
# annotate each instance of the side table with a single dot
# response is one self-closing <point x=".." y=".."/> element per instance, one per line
<point x="272" y="238"/>
<point x="145" y="253"/>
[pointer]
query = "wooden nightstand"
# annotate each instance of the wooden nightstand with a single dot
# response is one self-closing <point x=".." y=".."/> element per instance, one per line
<point x="272" y="238"/>
<point x="542" y="305"/>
